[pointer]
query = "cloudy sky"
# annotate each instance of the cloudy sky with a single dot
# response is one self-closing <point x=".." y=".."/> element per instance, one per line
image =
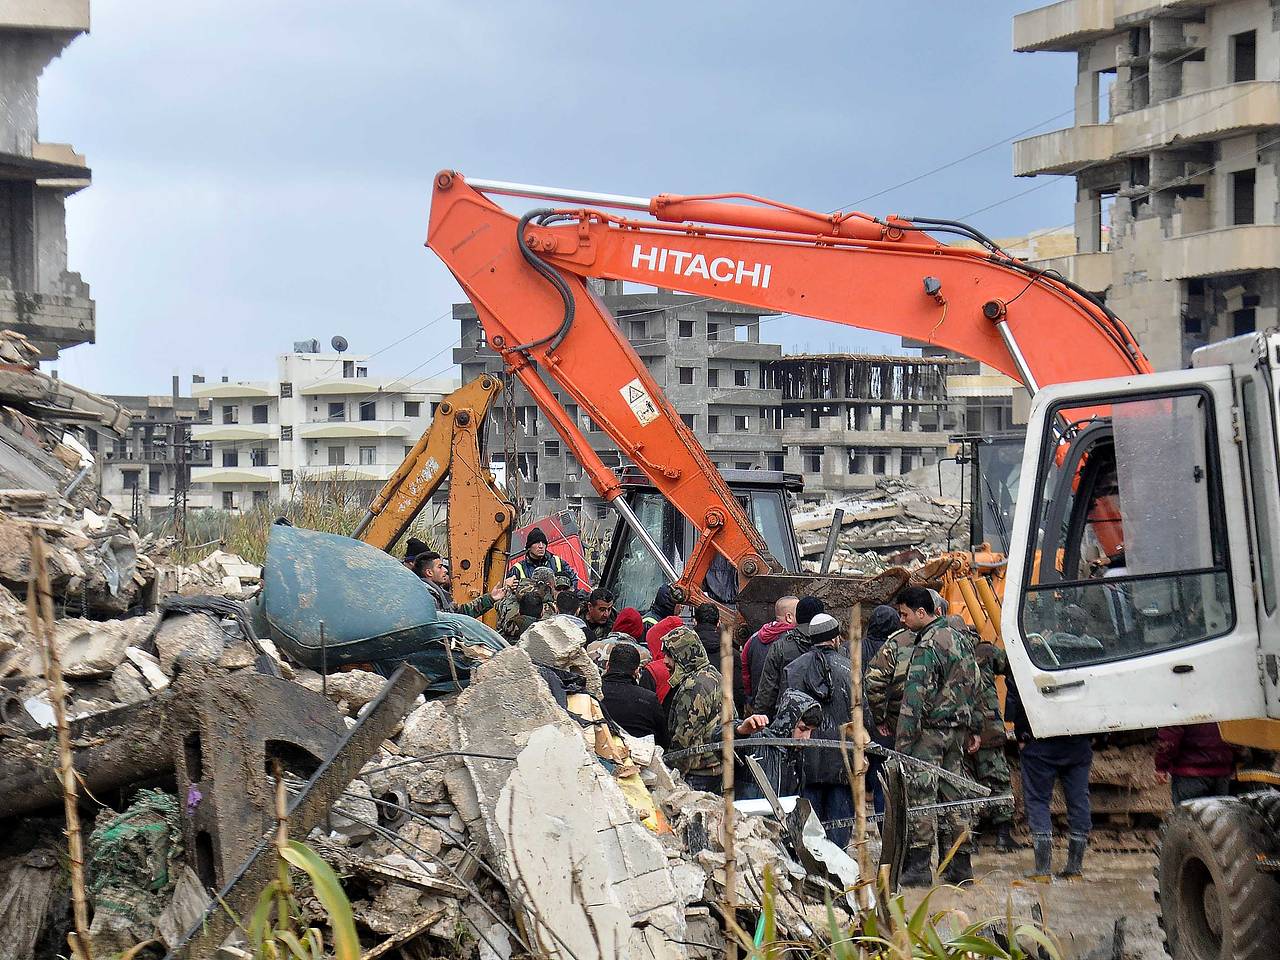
<point x="261" y="170"/>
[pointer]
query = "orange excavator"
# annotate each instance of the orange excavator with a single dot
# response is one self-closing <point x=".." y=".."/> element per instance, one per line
<point x="527" y="277"/>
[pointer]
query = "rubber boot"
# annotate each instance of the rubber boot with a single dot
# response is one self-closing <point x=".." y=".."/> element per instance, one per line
<point x="1075" y="857"/>
<point x="959" y="869"/>
<point x="1042" y="844"/>
<point x="916" y="872"/>
<point x="1004" y="839"/>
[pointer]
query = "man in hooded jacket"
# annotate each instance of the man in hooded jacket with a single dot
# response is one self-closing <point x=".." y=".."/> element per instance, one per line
<point x="693" y="709"/>
<point x="781" y="653"/>
<point x="824" y="674"/>
<point x="799" y="715"/>
<point x="757" y="646"/>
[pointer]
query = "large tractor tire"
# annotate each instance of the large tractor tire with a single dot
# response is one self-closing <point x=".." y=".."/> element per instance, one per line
<point x="1215" y="904"/>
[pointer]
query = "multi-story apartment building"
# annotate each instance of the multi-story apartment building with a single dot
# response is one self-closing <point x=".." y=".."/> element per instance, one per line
<point x="850" y="419"/>
<point x="39" y="296"/>
<point x="707" y="357"/>
<point x="324" y="418"/>
<point x="1175" y="151"/>
<point x="140" y="472"/>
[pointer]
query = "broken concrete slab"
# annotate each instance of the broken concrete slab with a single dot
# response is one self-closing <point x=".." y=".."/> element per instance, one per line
<point x="127" y="684"/>
<point x="589" y="871"/>
<point x="149" y="667"/>
<point x="353" y="687"/>
<point x="197" y="636"/>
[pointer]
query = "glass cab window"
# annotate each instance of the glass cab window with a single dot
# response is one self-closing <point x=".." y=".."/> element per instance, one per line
<point x="1130" y="556"/>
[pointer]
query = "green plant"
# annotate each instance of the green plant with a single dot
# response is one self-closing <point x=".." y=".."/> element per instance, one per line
<point x="274" y="928"/>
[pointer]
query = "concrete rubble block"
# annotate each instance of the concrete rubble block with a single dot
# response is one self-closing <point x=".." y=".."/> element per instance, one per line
<point x="357" y="800"/>
<point x="127" y="684"/>
<point x="354" y="687"/>
<point x="195" y="635"/>
<point x="149" y="667"/>
<point x="93" y="648"/>
<point x="187" y="906"/>
<point x="588" y="871"/>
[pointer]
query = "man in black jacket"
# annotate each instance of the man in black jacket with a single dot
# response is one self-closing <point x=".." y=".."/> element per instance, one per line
<point x="629" y="705"/>
<point x="781" y="652"/>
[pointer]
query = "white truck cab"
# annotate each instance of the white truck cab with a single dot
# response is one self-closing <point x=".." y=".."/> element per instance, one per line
<point x="1142" y="579"/>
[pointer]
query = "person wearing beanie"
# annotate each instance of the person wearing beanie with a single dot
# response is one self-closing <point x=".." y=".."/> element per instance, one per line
<point x="781" y="653"/>
<point x="537" y="554"/>
<point x="413" y="549"/>
<point x="657" y="667"/>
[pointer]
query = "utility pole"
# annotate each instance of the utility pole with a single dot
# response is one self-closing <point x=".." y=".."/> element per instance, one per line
<point x="181" y="479"/>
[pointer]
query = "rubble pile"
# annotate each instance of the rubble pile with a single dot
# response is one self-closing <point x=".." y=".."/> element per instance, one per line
<point x="896" y="524"/>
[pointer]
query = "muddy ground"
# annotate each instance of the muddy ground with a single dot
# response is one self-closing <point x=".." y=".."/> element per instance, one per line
<point x="1108" y="915"/>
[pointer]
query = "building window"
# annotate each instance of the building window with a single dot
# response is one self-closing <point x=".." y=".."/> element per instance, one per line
<point x="1243" y="321"/>
<point x="338" y="456"/>
<point x="741" y="377"/>
<point x="637" y="329"/>
<point x="259" y="498"/>
<point x="286" y="390"/>
<point x="685" y="374"/>
<point x="1242" y="184"/>
<point x="348" y="369"/>
<point x="551" y="448"/>
<point x="713" y="376"/>
<point x="91" y="440"/>
<point x="286" y="433"/>
<point x="602" y="511"/>
<point x="686" y="330"/>
<point x="231" y="458"/>
<point x="713" y="331"/>
<point x="908" y="462"/>
<point x="130" y="479"/>
<point x="286" y="476"/>
<point x="551" y="490"/>
<point x="713" y="424"/>
<point x="228" y="500"/>
<point x="413" y="408"/>
<point x="407" y="450"/>
<point x="775" y="462"/>
<point x="230" y="414"/>
<point x="812" y="457"/>
<point x="362" y="372"/>
<point x="742" y="332"/>
<point x="153" y="481"/>
<point x="337" y="411"/>
<point x="690" y="420"/>
<point x="741" y="465"/>
<point x="1244" y="57"/>
<point x="258" y="457"/>
<point x="742" y="422"/>
<point x="368" y="409"/>
<point x="259" y="413"/>
<point x="815" y="419"/>
<point x="368" y="456"/>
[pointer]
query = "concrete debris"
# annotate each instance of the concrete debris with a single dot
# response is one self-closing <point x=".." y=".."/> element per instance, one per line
<point x="897" y="524"/>
<point x="354" y="688"/>
<point x="197" y="637"/>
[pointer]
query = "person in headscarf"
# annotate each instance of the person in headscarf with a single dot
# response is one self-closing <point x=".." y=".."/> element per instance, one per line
<point x="657" y="667"/>
<point x="798" y="716"/>
<point x="693" y="709"/>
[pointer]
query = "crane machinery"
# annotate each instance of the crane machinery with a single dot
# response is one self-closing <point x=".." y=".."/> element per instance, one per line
<point x="479" y="514"/>
<point x="1142" y="549"/>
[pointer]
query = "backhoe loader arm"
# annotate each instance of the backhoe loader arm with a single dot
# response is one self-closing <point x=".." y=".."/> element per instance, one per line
<point x="480" y="516"/>
<point x="527" y="277"/>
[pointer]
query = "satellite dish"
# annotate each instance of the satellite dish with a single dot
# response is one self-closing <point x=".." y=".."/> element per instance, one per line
<point x="339" y="343"/>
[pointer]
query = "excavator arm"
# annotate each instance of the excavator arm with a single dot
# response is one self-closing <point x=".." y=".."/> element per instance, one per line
<point x="480" y="516"/>
<point x="527" y="277"/>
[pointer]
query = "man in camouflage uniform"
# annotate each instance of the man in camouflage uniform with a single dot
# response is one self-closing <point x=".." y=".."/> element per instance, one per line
<point x="525" y="604"/>
<point x="937" y="723"/>
<point x="988" y="765"/>
<point x="883" y="680"/>
<point x="693" y="709"/>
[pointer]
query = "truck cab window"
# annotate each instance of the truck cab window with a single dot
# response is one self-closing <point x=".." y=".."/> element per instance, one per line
<point x="1130" y="556"/>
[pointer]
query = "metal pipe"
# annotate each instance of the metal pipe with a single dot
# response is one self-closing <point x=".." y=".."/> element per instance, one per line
<point x="362" y="525"/>
<point x="77" y="480"/>
<point x="1019" y="361"/>
<point x="628" y="516"/>
<point x="614" y="200"/>
<point x="833" y="540"/>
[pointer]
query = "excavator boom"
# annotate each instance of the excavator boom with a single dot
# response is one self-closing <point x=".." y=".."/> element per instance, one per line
<point x="527" y="277"/>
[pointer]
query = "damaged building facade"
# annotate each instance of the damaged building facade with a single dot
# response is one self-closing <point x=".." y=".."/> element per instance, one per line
<point x="706" y="355"/>
<point x="39" y="296"/>
<point x="850" y="419"/>
<point x="1175" y="150"/>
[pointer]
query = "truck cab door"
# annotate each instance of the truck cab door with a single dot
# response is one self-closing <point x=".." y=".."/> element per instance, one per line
<point x="1130" y="558"/>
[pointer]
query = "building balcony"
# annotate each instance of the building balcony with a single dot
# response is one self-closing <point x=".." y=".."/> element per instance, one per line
<point x="651" y="348"/>
<point x="836" y="437"/>
<point x="71" y="16"/>
<point x="743" y="397"/>
<point x="752" y="441"/>
<point x="964" y="385"/>
<point x="1229" y="110"/>
<point x="1063" y="151"/>
<point x="235" y="431"/>
<point x="1222" y="251"/>
<point x="258" y="475"/>
<point x="339" y="429"/>
<point x="255" y="390"/>
<point x="1063" y="26"/>
<point x="743" y="350"/>
<point x="324" y="473"/>
<point x="337" y="386"/>
<point x="1089" y="270"/>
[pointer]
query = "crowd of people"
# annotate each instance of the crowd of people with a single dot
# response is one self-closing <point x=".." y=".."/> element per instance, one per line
<point x="930" y="694"/>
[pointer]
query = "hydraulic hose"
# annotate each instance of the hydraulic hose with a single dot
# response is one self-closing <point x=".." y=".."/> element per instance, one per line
<point x="552" y="276"/>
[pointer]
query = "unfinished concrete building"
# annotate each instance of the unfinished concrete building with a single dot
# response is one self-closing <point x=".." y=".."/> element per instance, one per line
<point x="850" y="419"/>
<point x="39" y="296"/>
<point x="708" y="359"/>
<point x="1175" y="151"/>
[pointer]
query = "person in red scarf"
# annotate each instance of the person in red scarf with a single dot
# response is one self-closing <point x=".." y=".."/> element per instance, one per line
<point x="656" y="667"/>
